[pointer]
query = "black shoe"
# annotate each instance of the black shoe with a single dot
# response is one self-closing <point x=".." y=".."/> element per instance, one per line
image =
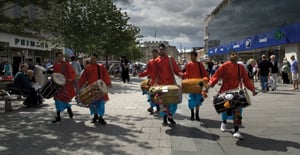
<point x="197" y="116"/>
<point x="57" y="119"/>
<point x="165" y="122"/>
<point x="192" y="118"/>
<point x="94" y="120"/>
<point x="192" y="115"/>
<point x="70" y="112"/>
<point x="150" y="109"/>
<point x="102" y="121"/>
<point x="171" y="120"/>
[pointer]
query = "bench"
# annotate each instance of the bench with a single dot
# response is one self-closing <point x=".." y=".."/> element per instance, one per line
<point x="8" y="94"/>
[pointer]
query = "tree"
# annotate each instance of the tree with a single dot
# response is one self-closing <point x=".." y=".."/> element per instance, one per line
<point x="90" y="26"/>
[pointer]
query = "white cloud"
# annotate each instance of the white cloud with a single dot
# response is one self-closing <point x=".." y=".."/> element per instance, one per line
<point x="176" y="21"/>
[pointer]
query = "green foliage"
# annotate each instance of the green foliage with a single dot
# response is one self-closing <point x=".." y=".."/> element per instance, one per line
<point x="90" y="27"/>
<point x="86" y="26"/>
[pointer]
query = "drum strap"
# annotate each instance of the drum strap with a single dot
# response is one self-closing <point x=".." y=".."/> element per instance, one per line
<point x="201" y="75"/>
<point x="240" y="79"/>
<point x="172" y="69"/>
<point x="99" y="73"/>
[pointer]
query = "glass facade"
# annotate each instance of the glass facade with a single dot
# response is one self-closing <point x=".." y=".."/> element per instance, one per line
<point x="239" y="19"/>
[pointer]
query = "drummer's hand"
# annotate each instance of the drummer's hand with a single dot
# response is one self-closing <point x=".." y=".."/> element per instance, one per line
<point x="206" y="89"/>
<point x="254" y="93"/>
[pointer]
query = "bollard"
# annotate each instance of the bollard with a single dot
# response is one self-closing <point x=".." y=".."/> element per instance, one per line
<point x="8" y="106"/>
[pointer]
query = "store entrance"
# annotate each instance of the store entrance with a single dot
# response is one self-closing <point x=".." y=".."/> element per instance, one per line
<point x="16" y="64"/>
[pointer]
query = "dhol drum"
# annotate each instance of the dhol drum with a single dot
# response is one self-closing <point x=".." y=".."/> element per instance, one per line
<point x="145" y="85"/>
<point x="166" y="94"/>
<point x="93" y="92"/>
<point x="53" y="85"/>
<point x="231" y="100"/>
<point x="194" y="85"/>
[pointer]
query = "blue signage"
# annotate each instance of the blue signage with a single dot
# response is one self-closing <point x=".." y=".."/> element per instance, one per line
<point x="284" y="35"/>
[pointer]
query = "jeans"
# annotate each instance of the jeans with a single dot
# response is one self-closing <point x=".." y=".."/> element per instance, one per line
<point x="263" y="82"/>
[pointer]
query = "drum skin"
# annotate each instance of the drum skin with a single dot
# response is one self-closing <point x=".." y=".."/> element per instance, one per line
<point x="194" y="86"/>
<point x="166" y="94"/>
<point x="93" y="92"/>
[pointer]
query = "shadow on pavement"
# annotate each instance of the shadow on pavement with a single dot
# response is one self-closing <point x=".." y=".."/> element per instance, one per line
<point x="265" y="144"/>
<point x="22" y="132"/>
<point x="191" y="132"/>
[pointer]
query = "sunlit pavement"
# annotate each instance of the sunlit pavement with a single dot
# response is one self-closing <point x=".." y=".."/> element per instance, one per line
<point x="271" y="126"/>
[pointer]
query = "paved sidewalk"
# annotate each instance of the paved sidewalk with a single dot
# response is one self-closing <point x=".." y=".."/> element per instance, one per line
<point x="271" y="127"/>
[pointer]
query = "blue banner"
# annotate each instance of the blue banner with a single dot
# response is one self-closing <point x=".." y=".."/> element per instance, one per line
<point x="284" y="35"/>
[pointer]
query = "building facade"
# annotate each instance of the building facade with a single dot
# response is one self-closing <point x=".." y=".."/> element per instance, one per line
<point x="147" y="47"/>
<point x="253" y="28"/>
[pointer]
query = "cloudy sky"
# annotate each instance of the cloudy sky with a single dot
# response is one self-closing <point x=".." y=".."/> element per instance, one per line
<point x="178" y="21"/>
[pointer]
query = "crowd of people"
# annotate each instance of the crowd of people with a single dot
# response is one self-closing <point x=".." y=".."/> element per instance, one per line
<point x="160" y="71"/>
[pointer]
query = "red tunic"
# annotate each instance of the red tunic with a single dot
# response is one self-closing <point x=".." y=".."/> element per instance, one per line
<point x="228" y="73"/>
<point x="162" y="71"/>
<point x="149" y="70"/>
<point x="68" y="91"/>
<point x="193" y="71"/>
<point x="90" y="75"/>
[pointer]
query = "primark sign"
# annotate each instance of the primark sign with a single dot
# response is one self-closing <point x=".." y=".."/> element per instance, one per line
<point x="23" y="42"/>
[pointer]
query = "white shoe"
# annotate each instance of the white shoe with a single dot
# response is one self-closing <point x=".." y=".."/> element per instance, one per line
<point x="223" y="127"/>
<point x="238" y="135"/>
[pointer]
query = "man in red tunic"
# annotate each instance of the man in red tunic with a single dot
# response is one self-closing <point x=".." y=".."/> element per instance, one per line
<point x="91" y="74"/>
<point x="195" y="70"/>
<point x="149" y="72"/>
<point x="229" y="74"/>
<point x="65" y="94"/>
<point x="163" y="75"/>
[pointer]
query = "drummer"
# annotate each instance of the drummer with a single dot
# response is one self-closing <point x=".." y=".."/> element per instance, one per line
<point x="233" y="75"/>
<point x="64" y="95"/>
<point x="163" y="76"/>
<point x="149" y="72"/>
<point x="196" y="70"/>
<point x="91" y="74"/>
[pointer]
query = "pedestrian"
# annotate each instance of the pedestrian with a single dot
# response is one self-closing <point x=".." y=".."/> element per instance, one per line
<point x="295" y="72"/>
<point x="124" y="69"/>
<point x="264" y="71"/>
<point x="275" y="72"/>
<point x="210" y="65"/>
<point x="195" y="69"/>
<point x="67" y="92"/>
<point x="164" y="70"/>
<point x="77" y="68"/>
<point x="233" y="76"/>
<point x="250" y="70"/>
<point x="285" y="71"/>
<point x="7" y="69"/>
<point x="91" y="74"/>
<point x="149" y="73"/>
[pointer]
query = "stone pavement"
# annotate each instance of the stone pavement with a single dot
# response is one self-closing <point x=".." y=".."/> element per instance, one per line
<point x="271" y="126"/>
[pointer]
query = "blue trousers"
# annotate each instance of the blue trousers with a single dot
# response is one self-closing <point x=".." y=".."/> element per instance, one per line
<point x="61" y="106"/>
<point x="195" y="100"/>
<point x="263" y="82"/>
<point x="97" y="107"/>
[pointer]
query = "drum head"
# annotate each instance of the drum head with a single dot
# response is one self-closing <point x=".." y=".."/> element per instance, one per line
<point x="102" y="86"/>
<point x="59" y="79"/>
